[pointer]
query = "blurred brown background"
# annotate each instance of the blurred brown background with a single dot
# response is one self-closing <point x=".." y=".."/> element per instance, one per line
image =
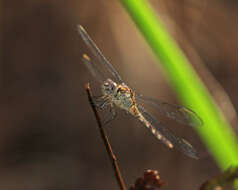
<point x="48" y="135"/>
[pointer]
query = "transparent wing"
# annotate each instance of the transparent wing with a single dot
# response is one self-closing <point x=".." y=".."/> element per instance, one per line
<point x="92" y="68"/>
<point x="96" y="51"/>
<point x="179" y="143"/>
<point x="178" y="113"/>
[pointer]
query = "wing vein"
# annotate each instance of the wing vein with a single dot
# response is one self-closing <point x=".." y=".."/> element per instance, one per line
<point x="96" y="51"/>
<point x="179" y="143"/>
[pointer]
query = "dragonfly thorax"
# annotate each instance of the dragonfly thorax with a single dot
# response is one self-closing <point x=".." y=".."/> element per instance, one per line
<point x="120" y="94"/>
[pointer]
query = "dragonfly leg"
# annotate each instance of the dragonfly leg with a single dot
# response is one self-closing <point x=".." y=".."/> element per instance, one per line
<point x="101" y="102"/>
<point x="110" y="116"/>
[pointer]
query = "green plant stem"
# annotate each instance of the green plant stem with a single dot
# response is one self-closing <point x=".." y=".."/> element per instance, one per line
<point x="216" y="132"/>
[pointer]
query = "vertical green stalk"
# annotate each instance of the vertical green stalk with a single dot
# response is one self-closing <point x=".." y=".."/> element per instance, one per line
<point x="216" y="132"/>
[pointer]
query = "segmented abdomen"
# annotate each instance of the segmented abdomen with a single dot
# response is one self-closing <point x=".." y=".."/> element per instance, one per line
<point x="136" y="113"/>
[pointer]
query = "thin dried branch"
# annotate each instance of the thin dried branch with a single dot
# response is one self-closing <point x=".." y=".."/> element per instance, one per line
<point x="104" y="137"/>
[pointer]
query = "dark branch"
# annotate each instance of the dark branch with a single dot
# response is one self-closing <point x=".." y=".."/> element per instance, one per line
<point x="108" y="147"/>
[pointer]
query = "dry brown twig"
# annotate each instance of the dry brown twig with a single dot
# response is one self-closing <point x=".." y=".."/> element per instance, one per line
<point x="108" y="147"/>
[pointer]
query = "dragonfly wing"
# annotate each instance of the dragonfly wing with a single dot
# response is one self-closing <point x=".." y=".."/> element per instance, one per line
<point x="178" y="143"/>
<point x="92" y="68"/>
<point x="178" y="113"/>
<point x="96" y="51"/>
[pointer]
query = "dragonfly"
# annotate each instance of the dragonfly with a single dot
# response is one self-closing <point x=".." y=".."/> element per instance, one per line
<point x="116" y="93"/>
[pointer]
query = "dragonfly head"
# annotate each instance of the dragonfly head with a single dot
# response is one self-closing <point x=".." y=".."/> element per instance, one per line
<point x="109" y="87"/>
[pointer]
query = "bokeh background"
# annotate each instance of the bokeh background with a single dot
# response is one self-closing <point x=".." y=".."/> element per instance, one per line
<point x="48" y="135"/>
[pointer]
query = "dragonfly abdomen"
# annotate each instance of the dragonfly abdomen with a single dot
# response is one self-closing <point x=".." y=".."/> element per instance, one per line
<point x="154" y="131"/>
